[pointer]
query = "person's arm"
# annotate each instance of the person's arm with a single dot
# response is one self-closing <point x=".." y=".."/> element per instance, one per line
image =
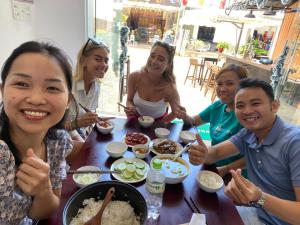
<point x="199" y="154"/>
<point x="243" y="191"/>
<point x="131" y="89"/>
<point x="77" y="146"/>
<point x="237" y="164"/>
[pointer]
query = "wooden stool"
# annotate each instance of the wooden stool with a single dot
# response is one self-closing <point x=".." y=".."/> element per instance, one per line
<point x="197" y="66"/>
<point x="214" y="69"/>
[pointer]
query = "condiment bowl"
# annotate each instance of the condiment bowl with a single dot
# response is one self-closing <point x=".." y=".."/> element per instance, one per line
<point x="116" y="149"/>
<point x="141" y="151"/>
<point x="105" y="127"/>
<point x="146" y="121"/>
<point x="209" y="181"/>
<point x="82" y="180"/>
<point x="175" y="171"/>
<point x="161" y="132"/>
<point x="187" y="136"/>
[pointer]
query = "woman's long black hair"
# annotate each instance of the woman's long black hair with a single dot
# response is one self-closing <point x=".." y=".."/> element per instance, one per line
<point x="41" y="48"/>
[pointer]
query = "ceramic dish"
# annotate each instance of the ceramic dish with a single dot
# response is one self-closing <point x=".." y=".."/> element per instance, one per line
<point x="132" y="170"/>
<point x="131" y="145"/>
<point x="154" y="141"/>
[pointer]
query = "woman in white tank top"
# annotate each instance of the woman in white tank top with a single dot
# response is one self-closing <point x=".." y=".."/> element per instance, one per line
<point x="152" y="89"/>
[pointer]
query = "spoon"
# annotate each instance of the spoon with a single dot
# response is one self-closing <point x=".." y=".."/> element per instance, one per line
<point x="96" y="220"/>
<point x="187" y="147"/>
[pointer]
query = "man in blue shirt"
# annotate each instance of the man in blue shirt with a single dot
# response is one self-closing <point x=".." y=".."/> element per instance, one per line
<point x="272" y="152"/>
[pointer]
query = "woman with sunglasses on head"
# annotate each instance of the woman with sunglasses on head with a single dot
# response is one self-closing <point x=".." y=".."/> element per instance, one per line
<point x="221" y="115"/>
<point x="36" y="92"/>
<point x="153" y="88"/>
<point x="92" y="64"/>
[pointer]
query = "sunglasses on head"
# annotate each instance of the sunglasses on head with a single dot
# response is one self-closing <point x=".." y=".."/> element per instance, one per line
<point x="94" y="42"/>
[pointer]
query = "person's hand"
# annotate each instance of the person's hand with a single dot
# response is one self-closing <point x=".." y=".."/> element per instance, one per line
<point x="180" y="112"/>
<point x="198" y="153"/>
<point x="33" y="175"/>
<point x="222" y="170"/>
<point x="241" y="190"/>
<point x="87" y="119"/>
<point x="130" y="110"/>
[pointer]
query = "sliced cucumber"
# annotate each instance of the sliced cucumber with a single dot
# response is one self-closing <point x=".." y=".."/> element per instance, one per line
<point x="130" y="168"/>
<point x="140" y="172"/>
<point x="139" y="165"/>
<point x="127" y="175"/>
<point x="128" y="161"/>
<point x="120" y="167"/>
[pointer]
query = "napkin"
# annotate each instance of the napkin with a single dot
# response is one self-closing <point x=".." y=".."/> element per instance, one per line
<point x="197" y="219"/>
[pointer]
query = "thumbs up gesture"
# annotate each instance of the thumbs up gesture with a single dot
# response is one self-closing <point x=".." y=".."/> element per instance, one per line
<point x="198" y="153"/>
<point x="33" y="175"/>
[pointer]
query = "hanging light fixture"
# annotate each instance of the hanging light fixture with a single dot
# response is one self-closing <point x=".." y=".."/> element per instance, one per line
<point x="250" y="14"/>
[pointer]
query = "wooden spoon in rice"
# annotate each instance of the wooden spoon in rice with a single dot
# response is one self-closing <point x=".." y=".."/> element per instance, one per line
<point x="96" y="220"/>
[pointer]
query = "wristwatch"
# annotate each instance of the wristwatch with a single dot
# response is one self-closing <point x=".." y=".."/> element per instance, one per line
<point x="260" y="202"/>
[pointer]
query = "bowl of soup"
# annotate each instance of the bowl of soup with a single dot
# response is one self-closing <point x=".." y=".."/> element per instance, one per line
<point x="84" y="179"/>
<point x="174" y="171"/>
<point x="146" y="121"/>
<point x="105" y="127"/>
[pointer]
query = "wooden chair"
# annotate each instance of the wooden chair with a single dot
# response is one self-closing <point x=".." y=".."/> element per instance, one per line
<point x="196" y="71"/>
<point x="213" y="70"/>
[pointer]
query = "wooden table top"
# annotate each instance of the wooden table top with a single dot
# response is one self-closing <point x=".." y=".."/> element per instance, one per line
<point x="216" y="206"/>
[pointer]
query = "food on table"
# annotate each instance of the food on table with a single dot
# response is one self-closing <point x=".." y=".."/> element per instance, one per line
<point x="131" y="170"/>
<point x="104" y="124"/>
<point x="173" y="168"/>
<point x="135" y="139"/>
<point x="116" y="212"/>
<point x="166" y="147"/>
<point x="141" y="150"/>
<point x="210" y="181"/>
<point x="87" y="178"/>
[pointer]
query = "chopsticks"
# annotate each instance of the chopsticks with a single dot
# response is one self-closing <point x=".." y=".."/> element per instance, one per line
<point x="100" y="118"/>
<point x="123" y="106"/>
<point x="192" y="205"/>
<point x="91" y="171"/>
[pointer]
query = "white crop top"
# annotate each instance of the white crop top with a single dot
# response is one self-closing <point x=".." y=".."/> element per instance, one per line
<point x="147" y="108"/>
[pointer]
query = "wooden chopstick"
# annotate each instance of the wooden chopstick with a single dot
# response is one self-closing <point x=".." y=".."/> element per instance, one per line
<point x="196" y="207"/>
<point x="85" y="109"/>
<point x="124" y="106"/>
<point x="100" y="118"/>
<point x="91" y="171"/>
<point x="189" y="205"/>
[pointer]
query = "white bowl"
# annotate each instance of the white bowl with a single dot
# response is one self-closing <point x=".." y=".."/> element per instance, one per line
<point x="161" y="132"/>
<point x="209" y="181"/>
<point x="82" y="180"/>
<point x="116" y="149"/>
<point x="146" y="121"/>
<point x="173" y="176"/>
<point x="105" y="127"/>
<point x="138" y="151"/>
<point x="187" y="136"/>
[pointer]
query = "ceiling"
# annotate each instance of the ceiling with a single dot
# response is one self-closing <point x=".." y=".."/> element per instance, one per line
<point x="276" y="5"/>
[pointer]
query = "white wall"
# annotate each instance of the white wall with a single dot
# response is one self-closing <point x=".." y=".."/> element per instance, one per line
<point x="62" y="22"/>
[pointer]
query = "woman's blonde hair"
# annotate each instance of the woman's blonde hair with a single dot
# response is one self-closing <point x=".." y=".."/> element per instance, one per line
<point x="240" y="71"/>
<point x="84" y="52"/>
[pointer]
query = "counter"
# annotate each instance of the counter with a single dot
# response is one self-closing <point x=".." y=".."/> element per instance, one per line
<point x="256" y="70"/>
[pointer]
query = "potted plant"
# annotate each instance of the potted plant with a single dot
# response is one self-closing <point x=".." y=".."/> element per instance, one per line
<point x="222" y="45"/>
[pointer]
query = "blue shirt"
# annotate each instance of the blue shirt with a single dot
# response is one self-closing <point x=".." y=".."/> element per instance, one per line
<point x="273" y="165"/>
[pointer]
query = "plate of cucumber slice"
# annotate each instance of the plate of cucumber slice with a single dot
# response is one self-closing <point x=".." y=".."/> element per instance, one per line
<point x="132" y="170"/>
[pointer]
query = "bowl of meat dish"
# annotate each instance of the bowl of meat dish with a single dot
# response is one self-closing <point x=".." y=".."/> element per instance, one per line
<point x="209" y="181"/>
<point x="84" y="179"/>
<point x="146" y="121"/>
<point x="175" y="171"/>
<point x="127" y="207"/>
<point x="161" y="132"/>
<point x="187" y="136"/>
<point x="105" y="127"/>
<point x="116" y="149"/>
<point x="141" y="151"/>
<point x="165" y="146"/>
<point x="132" y="139"/>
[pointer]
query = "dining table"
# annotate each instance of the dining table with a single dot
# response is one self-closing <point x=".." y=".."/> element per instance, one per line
<point x="217" y="207"/>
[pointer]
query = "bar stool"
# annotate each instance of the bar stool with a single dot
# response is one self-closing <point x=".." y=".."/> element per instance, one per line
<point x="214" y="69"/>
<point x="197" y="67"/>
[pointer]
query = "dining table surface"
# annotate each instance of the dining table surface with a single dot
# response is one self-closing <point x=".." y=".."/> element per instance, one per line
<point x="217" y="207"/>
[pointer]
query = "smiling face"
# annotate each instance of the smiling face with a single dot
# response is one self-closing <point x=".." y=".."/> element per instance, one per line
<point x="158" y="60"/>
<point x="35" y="93"/>
<point x="255" y="111"/>
<point x="96" y="63"/>
<point x="226" y="86"/>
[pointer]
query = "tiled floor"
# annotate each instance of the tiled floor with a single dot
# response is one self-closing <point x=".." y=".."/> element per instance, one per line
<point x="191" y="97"/>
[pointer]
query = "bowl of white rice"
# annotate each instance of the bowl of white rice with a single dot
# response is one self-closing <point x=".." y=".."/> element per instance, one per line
<point x="209" y="181"/>
<point x="127" y="207"/>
